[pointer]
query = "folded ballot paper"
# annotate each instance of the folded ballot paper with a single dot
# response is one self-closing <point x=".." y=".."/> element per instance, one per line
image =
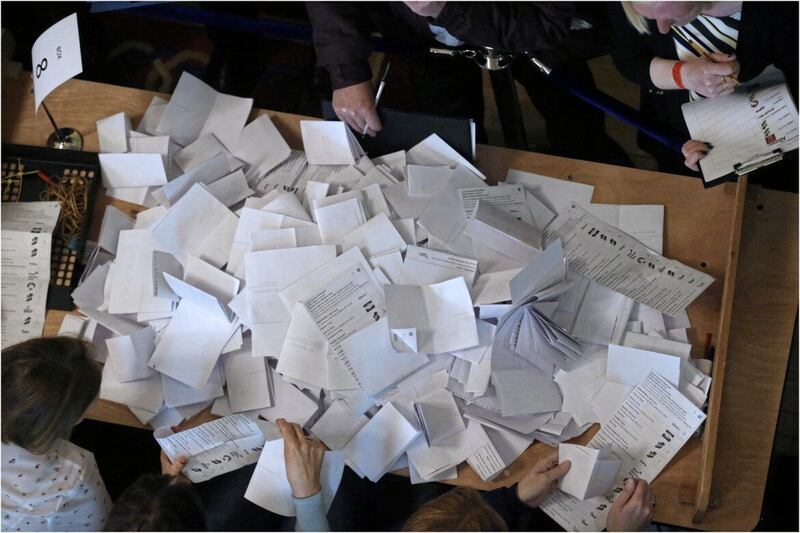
<point x="592" y="471"/>
<point x="399" y="308"/>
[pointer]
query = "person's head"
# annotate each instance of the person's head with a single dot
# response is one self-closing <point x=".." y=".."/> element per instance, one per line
<point x="157" y="503"/>
<point x="48" y="384"/>
<point x="666" y="14"/>
<point x="461" y="509"/>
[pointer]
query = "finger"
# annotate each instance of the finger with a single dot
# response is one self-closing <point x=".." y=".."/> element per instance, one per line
<point x="719" y="57"/>
<point x="546" y="463"/>
<point x="359" y="123"/>
<point x="372" y="119"/>
<point x="287" y="432"/>
<point x="627" y="491"/>
<point x="559" y="471"/>
<point x="640" y="495"/>
<point x="692" y="145"/>
<point x="694" y="158"/>
<point x="720" y="69"/>
<point x="298" y="433"/>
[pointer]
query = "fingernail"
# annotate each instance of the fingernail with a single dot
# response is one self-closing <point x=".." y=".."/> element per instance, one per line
<point x="629" y="483"/>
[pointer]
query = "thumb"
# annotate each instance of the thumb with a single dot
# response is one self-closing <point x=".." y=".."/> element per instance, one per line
<point x="559" y="471"/>
<point x="372" y="120"/>
<point x="719" y="57"/>
<point x="627" y="491"/>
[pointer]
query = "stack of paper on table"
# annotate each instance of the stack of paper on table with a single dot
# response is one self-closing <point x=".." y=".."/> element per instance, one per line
<point x="592" y="471"/>
<point x="338" y="297"/>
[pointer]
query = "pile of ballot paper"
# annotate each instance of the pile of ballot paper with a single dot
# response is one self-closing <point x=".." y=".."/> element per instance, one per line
<point x="399" y="308"/>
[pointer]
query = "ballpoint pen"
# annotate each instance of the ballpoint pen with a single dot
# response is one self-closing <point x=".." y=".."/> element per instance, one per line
<point x="381" y="85"/>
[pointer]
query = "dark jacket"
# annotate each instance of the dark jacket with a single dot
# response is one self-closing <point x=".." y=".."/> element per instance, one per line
<point x="341" y="29"/>
<point x="767" y="35"/>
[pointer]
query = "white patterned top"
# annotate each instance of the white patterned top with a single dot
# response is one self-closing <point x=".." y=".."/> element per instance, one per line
<point x="58" y="491"/>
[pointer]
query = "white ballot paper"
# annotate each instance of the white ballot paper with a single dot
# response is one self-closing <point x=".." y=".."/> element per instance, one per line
<point x="213" y="448"/>
<point x="329" y="143"/>
<point x="498" y="450"/>
<point x="426" y="266"/>
<point x="439" y="416"/>
<point x="443" y="216"/>
<point x="503" y="233"/>
<point x="430" y="461"/>
<point x="27" y="229"/>
<point x="381" y="442"/>
<point x="345" y="303"/>
<point x="555" y="194"/>
<point x="630" y="365"/>
<point x="55" y="57"/>
<point x="524" y="392"/>
<point x="509" y="199"/>
<point x="371" y="360"/>
<point x="433" y="151"/>
<point x="337" y="425"/>
<point x="592" y="473"/>
<point x="269" y="488"/>
<point x="645" y="433"/>
<point x="615" y="260"/>
<point x="440" y="315"/>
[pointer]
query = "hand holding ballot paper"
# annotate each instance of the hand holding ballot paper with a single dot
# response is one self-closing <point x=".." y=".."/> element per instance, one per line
<point x="338" y="293"/>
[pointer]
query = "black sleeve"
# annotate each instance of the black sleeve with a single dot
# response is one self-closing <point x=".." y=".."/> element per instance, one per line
<point x="786" y="54"/>
<point x="505" y="501"/>
<point x="340" y="34"/>
<point x="512" y="26"/>
<point x="629" y="49"/>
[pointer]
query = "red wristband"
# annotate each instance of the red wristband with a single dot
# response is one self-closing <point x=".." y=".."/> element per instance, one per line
<point x="676" y="74"/>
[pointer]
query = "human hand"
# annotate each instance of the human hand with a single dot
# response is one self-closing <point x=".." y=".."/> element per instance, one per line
<point x="303" y="456"/>
<point x="711" y="79"/>
<point x="542" y="480"/>
<point x="694" y="151"/>
<point x="633" y="507"/>
<point x="355" y="105"/>
<point x="174" y="469"/>
<point x="426" y="9"/>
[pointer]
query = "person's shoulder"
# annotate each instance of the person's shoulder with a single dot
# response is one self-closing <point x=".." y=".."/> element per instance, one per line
<point x="75" y="460"/>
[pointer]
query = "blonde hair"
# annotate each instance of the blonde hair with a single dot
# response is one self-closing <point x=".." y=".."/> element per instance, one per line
<point x="461" y="509"/>
<point x="638" y="21"/>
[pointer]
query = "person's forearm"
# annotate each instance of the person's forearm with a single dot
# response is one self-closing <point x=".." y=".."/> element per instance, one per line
<point x="311" y="514"/>
<point x="661" y="73"/>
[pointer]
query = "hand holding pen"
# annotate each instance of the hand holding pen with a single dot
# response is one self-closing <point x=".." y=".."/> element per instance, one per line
<point x="378" y="94"/>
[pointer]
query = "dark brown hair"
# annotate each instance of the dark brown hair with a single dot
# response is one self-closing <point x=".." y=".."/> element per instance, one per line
<point x="157" y="503"/>
<point x="48" y="383"/>
<point x="461" y="509"/>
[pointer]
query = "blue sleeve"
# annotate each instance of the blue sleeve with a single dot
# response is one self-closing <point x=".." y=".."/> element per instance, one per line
<point x="311" y="514"/>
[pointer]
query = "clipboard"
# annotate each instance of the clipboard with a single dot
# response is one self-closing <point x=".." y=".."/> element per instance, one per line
<point x="747" y="167"/>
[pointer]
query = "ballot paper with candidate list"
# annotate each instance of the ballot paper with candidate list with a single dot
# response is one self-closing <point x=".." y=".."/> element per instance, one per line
<point x="269" y="487"/>
<point x="213" y="448"/>
<point x="27" y="229"/>
<point x="347" y="303"/>
<point x="614" y="259"/>
<point x="645" y="433"/>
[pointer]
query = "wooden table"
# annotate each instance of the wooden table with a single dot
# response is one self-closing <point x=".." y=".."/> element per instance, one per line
<point x="698" y="231"/>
